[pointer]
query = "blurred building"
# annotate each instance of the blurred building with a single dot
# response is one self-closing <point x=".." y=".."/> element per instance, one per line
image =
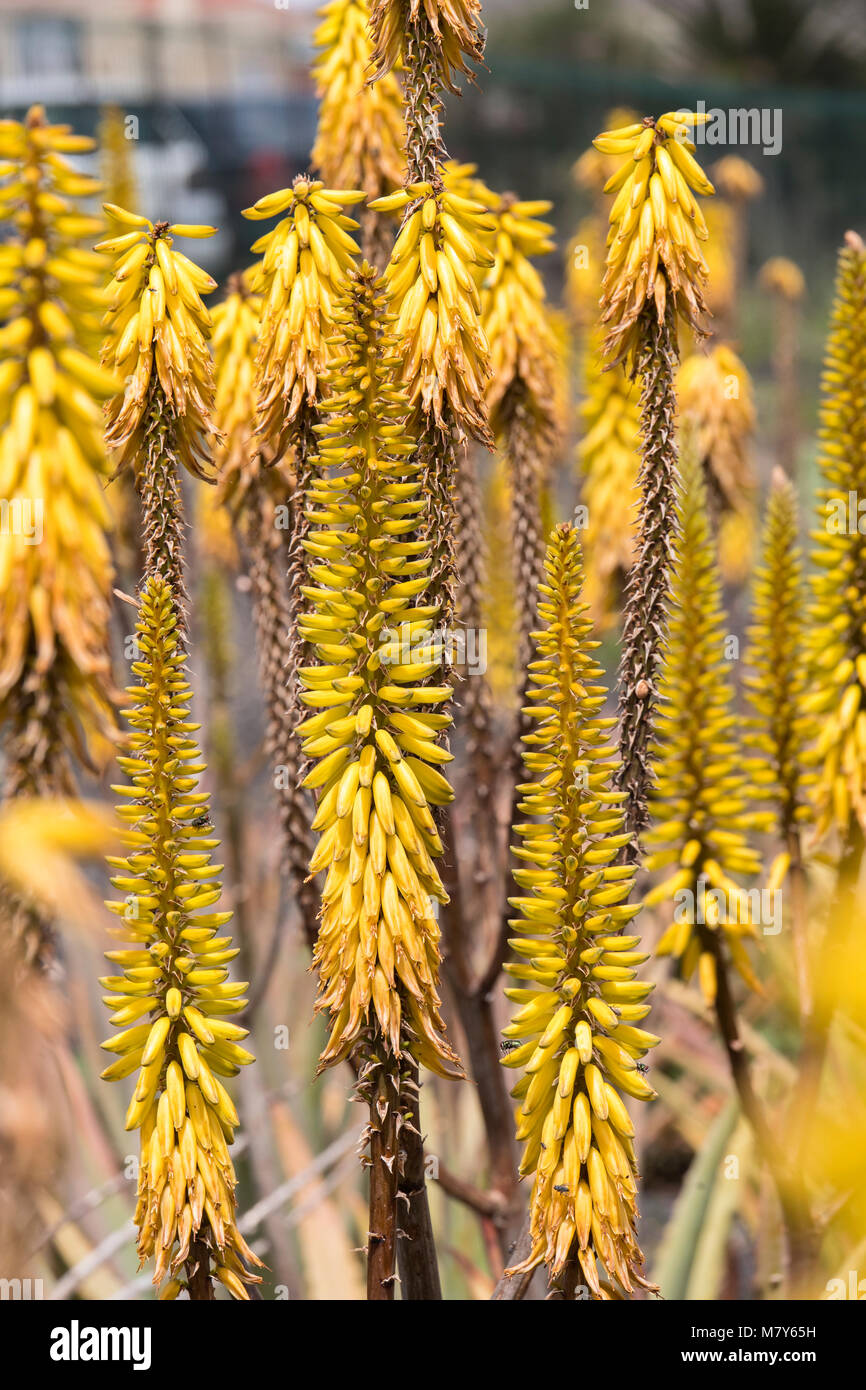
<point x="218" y="92"/>
<point x="171" y="50"/>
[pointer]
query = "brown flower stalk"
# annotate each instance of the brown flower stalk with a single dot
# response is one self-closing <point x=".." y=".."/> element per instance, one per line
<point x="655" y="275"/>
<point x="432" y="289"/>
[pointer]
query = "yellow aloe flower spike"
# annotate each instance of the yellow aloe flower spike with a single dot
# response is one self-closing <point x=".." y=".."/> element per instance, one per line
<point x="838" y="609"/>
<point x="172" y="998"/>
<point x="432" y="288"/>
<point x="361" y="136"/>
<point x="776" y="679"/>
<point x="55" y="566"/>
<point x="118" y="177"/>
<point x="779" y="731"/>
<point x="525" y="353"/>
<point x="455" y="39"/>
<point x="370" y="736"/>
<point x="158" y="328"/>
<point x="156" y="341"/>
<point x="573" y="1035"/>
<point x="306" y="260"/>
<point x="700" y="804"/>
<point x="236" y="322"/>
<point x="656" y="226"/>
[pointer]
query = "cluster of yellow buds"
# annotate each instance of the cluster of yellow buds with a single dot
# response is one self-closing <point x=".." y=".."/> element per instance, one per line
<point x="701" y="802"/>
<point x="306" y="260"/>
<point x="453" y="26"/>
<point x="173" y="1000"/>
<point x="55" y="567"/>
<point x="361" y="137"/>
<point x="655" y="227"/>
<point x="157" y="330"/>
<point x="431" y="283"/>
<point x="371" y="736"/>
<point x="515" y="316"/>
<point x="574" y="1033"/>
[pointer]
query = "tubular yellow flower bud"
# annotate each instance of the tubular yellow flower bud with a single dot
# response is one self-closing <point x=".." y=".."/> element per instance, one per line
<point x="656" y="227"/>
<point x="186" y="1203"/>
<point x="838" y="610"/>
<point x="454" y="25"/>
<point x="373" y="756"/>
<point x="574" y="1045"/>
<point x="55" y="566"/>
<point x="701" y="797"/>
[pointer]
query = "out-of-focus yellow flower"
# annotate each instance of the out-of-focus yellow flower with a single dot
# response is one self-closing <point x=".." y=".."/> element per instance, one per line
<point x="714" y="394"/>
<point x="454" y="26"/>
<point x="157" y="330"/>
<point x="838" y="610"/>
<point x="40" y="841"/>
<point x="431" y="284"/>
<point x="118" y="179"/>
<point x="736" y="179"/>
<point x="236" y="322"/>
<point x="718" y="254"/>
<point x="361" y="137"/>
<point x="370" y="733"/>
<point x="776" y="665"/>
<point x="172" y="999"/>
<point x="306" y="260"/>
<point x="609" y="458"/>
<point x="701" y="801"/>
<point x="784" y="278"/>
<point x="736" y="538"/>
<point x="585" y="255"/>
<point x="656" y="227"/>
<point x="499" y="613"/>
<point x="573" y="1034"/>
<point x="55" y="566"/>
